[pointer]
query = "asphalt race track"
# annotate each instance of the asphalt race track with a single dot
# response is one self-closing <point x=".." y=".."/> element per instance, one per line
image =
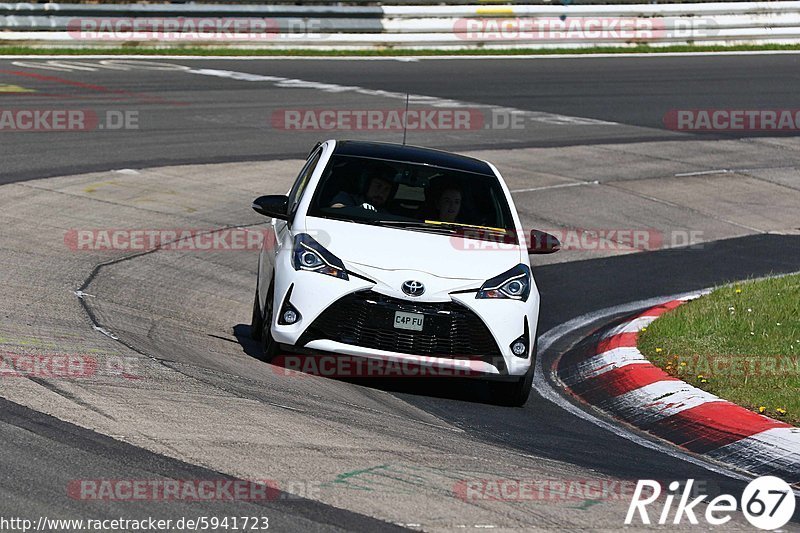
<point x="591" y="152"/>
<point x="193" y="119"/>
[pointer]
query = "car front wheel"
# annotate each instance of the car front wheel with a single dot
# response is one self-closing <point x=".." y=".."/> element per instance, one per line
<point x="516" y="393"/>
<point x="513" y="394"/>
<point x="268" y="344"/>
<point x="257" y="322"/>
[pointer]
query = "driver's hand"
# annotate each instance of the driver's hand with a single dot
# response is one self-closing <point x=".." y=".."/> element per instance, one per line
<point x="366" y="205"/>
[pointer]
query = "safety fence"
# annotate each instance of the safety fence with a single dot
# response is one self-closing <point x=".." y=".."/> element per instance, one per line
<point x="356" y="25"/>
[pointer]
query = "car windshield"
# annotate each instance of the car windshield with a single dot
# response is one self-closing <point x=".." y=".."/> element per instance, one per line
<point x="413" y="196"/>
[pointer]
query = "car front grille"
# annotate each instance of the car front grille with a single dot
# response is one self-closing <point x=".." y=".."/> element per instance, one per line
<point x="366" y="319"/>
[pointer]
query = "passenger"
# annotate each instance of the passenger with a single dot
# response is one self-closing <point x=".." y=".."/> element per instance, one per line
<point x="445" y="200"/>
<point x="449" y="204"/>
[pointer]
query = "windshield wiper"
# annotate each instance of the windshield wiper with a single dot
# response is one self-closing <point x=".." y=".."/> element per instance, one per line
<point x="418" y="225"/>
<point x="456" y="227"/>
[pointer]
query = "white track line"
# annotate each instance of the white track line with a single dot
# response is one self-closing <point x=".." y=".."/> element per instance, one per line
<point x="405" y="57"/>
<point x="557" y="186"/>
<point x="433" y="101"/>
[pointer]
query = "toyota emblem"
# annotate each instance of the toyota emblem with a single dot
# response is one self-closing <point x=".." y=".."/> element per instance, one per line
<point x="413" y="288"/>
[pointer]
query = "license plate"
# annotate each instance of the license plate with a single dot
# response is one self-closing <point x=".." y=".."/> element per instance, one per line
<point x="411" y="321"/>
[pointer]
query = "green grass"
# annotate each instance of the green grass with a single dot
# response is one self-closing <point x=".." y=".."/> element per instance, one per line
<point x="209" y="51"/>
<point x="740" y="342"/>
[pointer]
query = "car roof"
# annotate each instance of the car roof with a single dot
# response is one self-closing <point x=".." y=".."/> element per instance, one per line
<point x="412" y="154"/>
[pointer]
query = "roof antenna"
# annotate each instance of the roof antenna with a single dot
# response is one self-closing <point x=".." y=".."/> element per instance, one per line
<point x="405" y="121"/>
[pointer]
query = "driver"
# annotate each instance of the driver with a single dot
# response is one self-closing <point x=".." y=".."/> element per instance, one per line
<point x="379" y="190"/>
<point x="449" y="204"/>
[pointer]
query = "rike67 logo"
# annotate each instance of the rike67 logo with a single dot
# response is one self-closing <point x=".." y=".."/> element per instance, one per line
<point x="767" y="503"/>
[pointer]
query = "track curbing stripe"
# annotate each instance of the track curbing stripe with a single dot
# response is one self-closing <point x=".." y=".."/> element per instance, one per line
<point x="619" y="380"/>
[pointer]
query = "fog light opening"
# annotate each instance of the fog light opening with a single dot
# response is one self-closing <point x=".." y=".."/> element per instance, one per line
<point x="521" y="345"/>
<point x="288" y="315"/>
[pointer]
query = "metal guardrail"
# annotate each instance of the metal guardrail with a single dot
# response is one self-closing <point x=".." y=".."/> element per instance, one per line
<point x="452" y="26"/>
<point x="393" y="2"/>
<point x="129" y="9"/>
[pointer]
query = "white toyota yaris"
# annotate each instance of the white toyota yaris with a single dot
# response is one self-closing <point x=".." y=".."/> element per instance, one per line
<point x="401" y="253"/>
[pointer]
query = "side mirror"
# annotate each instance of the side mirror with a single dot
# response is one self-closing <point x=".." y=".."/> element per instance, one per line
<point x="273" y="205"/>
<point x="543" y="243"/>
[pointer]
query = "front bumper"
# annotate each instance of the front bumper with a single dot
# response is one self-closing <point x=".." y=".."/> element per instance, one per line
<point x="365" y="319"/>
<point x="350" y="317"/>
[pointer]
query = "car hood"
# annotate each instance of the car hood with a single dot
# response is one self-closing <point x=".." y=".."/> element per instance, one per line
<point x="392" y="249"/>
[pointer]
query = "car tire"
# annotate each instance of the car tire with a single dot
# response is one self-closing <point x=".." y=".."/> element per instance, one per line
<point x="516" y="393"/>
<point x="268" y="344"/>
<point x="257" y="321"/>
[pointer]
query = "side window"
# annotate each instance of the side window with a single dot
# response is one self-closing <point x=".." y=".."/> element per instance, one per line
<point x="302" y="181"/>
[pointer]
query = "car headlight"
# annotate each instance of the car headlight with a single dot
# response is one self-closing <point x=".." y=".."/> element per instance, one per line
<point x="310" y="255"/>
<point x="514" y="284"/>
